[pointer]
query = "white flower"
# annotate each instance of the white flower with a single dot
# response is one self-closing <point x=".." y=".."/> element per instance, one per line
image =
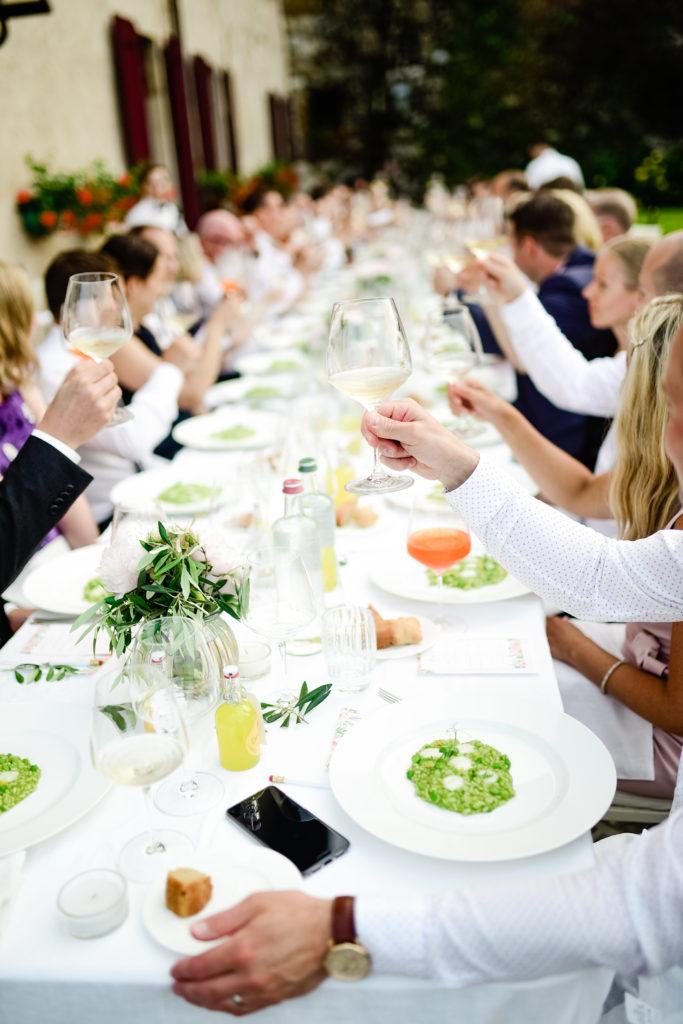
<point x="119" y="565"/>
<point x="221" y="557"/>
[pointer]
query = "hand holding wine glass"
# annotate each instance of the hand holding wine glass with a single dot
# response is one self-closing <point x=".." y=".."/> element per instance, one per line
<point x="368" y="358"/>
<point x="96" y="320"/>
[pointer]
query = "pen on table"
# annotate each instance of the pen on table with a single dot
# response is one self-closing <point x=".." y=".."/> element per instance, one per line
<point x="288" y="780"/>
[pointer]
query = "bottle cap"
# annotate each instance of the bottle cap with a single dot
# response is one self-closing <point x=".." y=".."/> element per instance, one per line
<point x="231" y="672"/>
<point x="308" y="465"/>
<point x="157" y="657"/>
<point x="292" y="486"/>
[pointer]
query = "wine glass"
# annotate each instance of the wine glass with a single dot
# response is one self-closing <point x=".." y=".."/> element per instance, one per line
<point x="452" y="349"/>
<point x="368" y="358"/>
<point x="280" y="601"/>
<point x="96" y="321"/>
<point x="437" y="539"/>
<point x="176" y="648"/>
<point x="138" y="737"/>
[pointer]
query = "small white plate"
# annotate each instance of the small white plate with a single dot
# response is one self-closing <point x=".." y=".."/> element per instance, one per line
<point x="198" y="431"/>
<point x="249" y="390"/>
<point x="57" y="585"/>
<point x="234" y="877"/>
<point x="267" y="363"/>
<point x="140" y="492"/>
<point x="430" y="634"/>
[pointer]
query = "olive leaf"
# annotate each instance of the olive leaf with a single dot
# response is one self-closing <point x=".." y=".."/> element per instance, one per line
<point x="33" y="673"/>
<point x="297" y="708"/>
<point x="122" y="715"/>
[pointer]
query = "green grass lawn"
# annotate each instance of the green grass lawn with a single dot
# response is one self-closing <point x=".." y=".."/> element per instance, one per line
<point x="669" y="218"/>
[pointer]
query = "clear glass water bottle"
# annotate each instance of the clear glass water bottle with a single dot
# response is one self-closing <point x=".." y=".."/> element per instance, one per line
<point x="320" y="508"/>
<point x="296" y="534"/>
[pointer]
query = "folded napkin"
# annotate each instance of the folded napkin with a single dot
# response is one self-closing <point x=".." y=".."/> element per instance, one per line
<point x="10" y="880"/>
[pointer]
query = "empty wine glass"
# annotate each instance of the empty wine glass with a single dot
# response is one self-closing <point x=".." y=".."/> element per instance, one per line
<point x="138" y="737"/>
<point x="368" y="358"/>
<point x="96" y="321"/>
<point x="280" y="601"/>
<point x="176" y="648"/>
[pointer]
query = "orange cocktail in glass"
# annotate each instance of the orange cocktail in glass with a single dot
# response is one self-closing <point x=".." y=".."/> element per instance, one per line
<point x="439" y="547"/>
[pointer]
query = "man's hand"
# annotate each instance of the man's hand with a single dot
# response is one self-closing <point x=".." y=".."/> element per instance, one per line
<point x="409" y="438"/>
<point x="274" y="948"/>
<point x="503" y="278"/>
<point x="227" y="312"/>
<point x="84" y="404"/>
<point x="183" y="352"/>
<point x="469" y="396"/>
<point x="443" y="281"/>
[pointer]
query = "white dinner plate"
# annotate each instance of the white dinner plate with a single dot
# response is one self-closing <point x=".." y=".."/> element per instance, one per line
<point x="234" y="876"/>
<point x="563" y="775"/>
<point x="249" y="390"/>
<point x="56" y="739"/>
<point x="57" y="585"/>
<point x="140" y="492"/>
<point x="268" y="363"/>
<point x="198" y="431"/>
<point x="430" y="634"/>
<point x="399" y="574"/>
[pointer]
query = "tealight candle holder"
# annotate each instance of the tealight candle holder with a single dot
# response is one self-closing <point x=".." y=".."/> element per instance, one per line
<point x="254" y="659"/>
<point x="93" y="903"/>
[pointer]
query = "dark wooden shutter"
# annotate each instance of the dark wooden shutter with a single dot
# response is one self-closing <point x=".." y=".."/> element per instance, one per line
<point x="203" y="86"/>
<point x="129" y="63"/>
<point x="232" y="126"/>
<point x="181" y="129"/>
<point x="279" y="127"/>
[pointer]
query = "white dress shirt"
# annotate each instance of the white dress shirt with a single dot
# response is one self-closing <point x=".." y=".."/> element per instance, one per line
<point x="550" y="165"/>
<point x="112" y="454"/>
<point x="274" y="272"/>
<point x="154" y="213"/>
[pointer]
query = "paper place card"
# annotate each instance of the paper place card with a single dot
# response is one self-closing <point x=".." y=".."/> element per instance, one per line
<point x="477" y="655"/>
<point x="52" y="643"/>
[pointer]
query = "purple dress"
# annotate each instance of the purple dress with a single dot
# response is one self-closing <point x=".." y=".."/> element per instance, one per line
<point x="16" y="426"/>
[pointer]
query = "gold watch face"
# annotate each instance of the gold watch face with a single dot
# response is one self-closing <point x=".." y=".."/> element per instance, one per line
<point x="347" y="961"/>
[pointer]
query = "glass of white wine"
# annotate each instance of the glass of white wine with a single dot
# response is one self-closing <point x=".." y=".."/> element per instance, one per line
<point x="96" y="321"/>
<point x="138" y="738"/>
<point x="368" y="358"/>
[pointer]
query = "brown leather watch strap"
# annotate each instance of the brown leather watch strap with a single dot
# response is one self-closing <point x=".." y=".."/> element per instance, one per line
<point x="343" y="924"/>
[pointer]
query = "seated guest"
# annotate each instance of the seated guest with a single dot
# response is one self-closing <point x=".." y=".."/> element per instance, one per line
<point x="547" y="164"/>
<point x="118" y="451"/>
<point x="45" y="480"/>
<point x="226" y="257"/>
<point x="506" y="183"/>
<point x="21" y="403"/>
<point x="642" y="494"/>
<point x="625" y="914"/>
<point x="544" y="247"/>
<point x="274" y="275"/>
<point x="586" y="228"/>
<point x="157" y="204"/>
<point x="615" y="209"/>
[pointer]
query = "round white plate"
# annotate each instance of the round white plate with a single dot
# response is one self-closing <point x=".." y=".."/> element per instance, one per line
<point x="56" y="739"/>
<point x="262" y="362"/>
<point x="430" y="634"/>
<point x="198" y="431"/>
<point x="140" y="492"/>
<point x="564" y="777"/>
<point x="244" y="389"/>
<point x="57" y="585"/>
<point x="234" y="876"/>
<point x="398" y="574"/>
<point x="422" y="489"/>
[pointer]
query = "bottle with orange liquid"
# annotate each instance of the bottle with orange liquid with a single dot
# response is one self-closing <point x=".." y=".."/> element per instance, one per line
<point x="437" y="540"/>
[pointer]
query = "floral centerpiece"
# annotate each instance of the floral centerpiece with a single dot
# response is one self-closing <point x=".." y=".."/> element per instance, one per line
<point x="171" y="571"/>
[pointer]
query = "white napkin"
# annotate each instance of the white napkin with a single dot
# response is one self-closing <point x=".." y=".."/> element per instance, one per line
<point x="627" y="736"/>
<point x="10" y="881"/>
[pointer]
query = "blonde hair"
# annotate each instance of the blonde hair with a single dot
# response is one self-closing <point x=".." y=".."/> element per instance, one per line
<point x="644" y="490"/>
<point x="631" y="253"/>
<point x="586" y="228"/>
<point x="17" y="358"/>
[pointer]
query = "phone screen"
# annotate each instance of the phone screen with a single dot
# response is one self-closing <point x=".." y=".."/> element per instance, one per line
<point x="283" y="825"/>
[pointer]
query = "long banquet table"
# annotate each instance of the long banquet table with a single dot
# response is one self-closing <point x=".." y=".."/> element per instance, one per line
<point x="46" y="975"/>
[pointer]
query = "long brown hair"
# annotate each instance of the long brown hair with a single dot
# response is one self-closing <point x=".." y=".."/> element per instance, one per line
<point x="17" y="358"/>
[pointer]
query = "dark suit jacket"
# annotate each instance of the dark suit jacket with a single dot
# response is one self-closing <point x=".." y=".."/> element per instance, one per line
<point x="560" y="294"/>
<point x="37" y="489"/>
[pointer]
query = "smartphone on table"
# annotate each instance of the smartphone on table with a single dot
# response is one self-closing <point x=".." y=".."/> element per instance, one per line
<point x="283" y="825"/>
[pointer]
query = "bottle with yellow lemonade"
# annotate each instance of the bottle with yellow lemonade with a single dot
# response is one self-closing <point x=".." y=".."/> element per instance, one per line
<point x="238" y="726"/>
<point x="320" y="508"/>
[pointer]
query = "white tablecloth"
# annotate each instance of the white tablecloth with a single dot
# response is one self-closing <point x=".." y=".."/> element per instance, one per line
<point x="45" y="975"/>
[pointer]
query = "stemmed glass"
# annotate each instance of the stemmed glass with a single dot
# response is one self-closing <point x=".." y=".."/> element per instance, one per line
<point x="453" y="349"/>
<point x="138" y="737"/>
<point x="280" y="601"/>
<point x="96" y="321"/>
<point x="368" y="358"/>
<point x="176" y="648"/>
<point x="438" y="540"/>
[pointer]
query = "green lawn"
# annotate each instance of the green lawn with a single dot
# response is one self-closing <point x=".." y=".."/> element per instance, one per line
<point x="669" y="218"/>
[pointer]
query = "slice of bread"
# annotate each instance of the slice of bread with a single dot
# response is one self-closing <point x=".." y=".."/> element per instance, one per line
<point x="187" y="891"/>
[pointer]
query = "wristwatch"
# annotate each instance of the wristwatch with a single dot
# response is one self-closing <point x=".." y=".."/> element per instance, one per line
<point x="346" y="959"/>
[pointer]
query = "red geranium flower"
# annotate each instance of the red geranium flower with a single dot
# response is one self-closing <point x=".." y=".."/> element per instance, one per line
<point x="125" y="180"/>
<point x="68" y="218"/>
<point x="91" y="221"/>
<point x="24" y="196"/>
<point x="84" y="196"/>
<point x="48" y="218"/>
